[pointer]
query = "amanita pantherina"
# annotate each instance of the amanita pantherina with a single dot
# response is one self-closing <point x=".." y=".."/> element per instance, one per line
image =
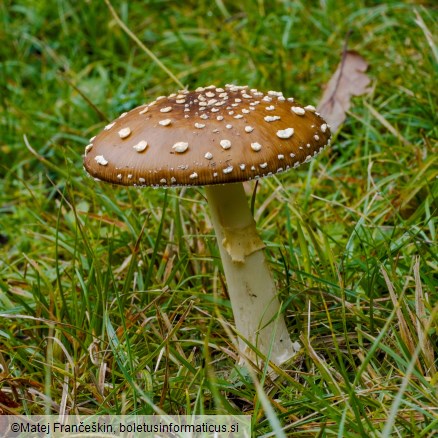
<point x="219" y="137"/>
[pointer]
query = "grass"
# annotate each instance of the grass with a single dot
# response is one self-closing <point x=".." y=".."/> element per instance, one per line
<point x="112" y="300"/>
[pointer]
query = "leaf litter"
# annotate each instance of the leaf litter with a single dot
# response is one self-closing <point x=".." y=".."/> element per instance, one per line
<point x="350" y="79"/>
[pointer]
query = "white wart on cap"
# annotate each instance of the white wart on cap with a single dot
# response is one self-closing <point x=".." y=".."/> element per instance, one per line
<point x="208" y="136"/>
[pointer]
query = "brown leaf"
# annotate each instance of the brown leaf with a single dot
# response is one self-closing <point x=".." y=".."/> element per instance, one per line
<point x="348" y="80"/>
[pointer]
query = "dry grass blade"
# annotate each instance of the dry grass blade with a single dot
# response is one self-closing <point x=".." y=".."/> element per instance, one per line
<point x="403" y="325"/>
<point x="423" y="321"/>
<point x="101" y="378"/>
<point x="141" y="45"/>
<point x="386" y="124"/>
<point x="65" y="394"/>
<point x="427" y="33"/>
<point x="348" y="80"/>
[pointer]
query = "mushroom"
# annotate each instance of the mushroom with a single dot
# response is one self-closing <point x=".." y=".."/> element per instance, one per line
<point x="219" y="137"/>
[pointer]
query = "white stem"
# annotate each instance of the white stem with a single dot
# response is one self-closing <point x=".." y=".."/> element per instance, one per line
<point x="250" y="283"/>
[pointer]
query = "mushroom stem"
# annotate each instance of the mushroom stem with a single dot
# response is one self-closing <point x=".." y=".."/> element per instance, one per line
<point x="251" y="287"/>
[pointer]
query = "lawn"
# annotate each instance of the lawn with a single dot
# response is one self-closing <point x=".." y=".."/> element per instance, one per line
<point x="113" y="299"/>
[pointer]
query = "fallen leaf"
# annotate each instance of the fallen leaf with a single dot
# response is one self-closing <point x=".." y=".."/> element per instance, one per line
<point x="348" y="80"/>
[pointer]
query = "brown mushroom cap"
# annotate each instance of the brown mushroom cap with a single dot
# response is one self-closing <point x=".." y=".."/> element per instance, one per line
<point x="207" y="136"/>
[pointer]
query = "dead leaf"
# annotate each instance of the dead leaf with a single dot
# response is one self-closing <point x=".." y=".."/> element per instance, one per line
<point x="348" y="80"/>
